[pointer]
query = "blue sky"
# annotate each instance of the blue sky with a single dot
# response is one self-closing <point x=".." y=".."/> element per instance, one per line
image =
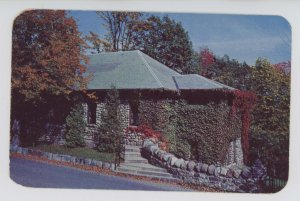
<point x="241" y="37"/>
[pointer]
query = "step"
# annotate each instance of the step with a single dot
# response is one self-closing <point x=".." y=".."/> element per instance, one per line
<point x="135" y="159"/>
<point x="143" y="167"/>
<point x="132" y="149"/>
<point x="132" y="154"/>
<point x="143" y="172"/>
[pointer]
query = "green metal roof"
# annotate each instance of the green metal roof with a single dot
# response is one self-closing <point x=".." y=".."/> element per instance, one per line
<point x="136" y="70"/>
<point x="194" y="81"/>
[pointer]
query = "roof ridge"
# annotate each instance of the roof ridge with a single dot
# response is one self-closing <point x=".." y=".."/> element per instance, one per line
<point x="162" y="65"/>
<point x="149" y="68"/>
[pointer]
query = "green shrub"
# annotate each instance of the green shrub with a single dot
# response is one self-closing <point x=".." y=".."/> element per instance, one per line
<point x="75" y="127"/>
<point x="110" y="130"/>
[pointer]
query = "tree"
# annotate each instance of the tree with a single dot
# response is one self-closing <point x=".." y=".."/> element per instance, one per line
<point x="225" y="70"/>
<point x="270" y="131"/>
<point x="47" y="55"/>
<point x="75" y="127"/>
<point x="97" y="43"/>
<point x="165" y="40"/>
<point x="207" y="59"/>
<point x="47" y="65"/>
<point x="284" y="67"/>
<point x="110" y="130"/>
<point x="119" y="29"/>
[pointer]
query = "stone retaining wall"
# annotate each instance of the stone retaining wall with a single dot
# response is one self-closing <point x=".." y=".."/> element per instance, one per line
<point x="233" y="178"/>
<point x="63" y="158"/>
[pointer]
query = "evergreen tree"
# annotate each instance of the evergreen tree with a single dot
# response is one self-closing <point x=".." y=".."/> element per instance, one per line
<point x="110" y="130"/>
<point x="75" y="126"/>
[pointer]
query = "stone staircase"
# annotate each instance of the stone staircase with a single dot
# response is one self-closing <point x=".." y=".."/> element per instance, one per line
<point x="135" y="164"/>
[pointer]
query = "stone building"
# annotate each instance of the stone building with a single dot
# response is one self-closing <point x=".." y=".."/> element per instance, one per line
<point x="140" y="77"/>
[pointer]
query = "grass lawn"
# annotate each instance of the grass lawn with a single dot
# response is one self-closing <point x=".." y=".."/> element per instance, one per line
<point x="83" y="152"/>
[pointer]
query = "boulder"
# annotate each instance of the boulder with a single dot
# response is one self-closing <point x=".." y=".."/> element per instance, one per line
<point x="198" y="167"/>
<point x="56" y="157"/>
<point x="204" y="168"/>
<point x="19" y="150"/>
<point x="211" y="169"/>
<point x="73" y="159"/>
<point x="49" y="156"/>
<point x="166" y="157"/>
<point x="106" y="165"/>
<point x="156" y="152"/>
<point x="223" y="171"/>
<point x="183" y="166"/>
<point x="65" y="158"/>
<point x="229" y="173"/>
<point x="217" y="171"/>
<point x="153" y="150"/>
<point x="172" y="160"/>
<point x="236" y="172"/>
<point x="161" y="154"/>
<point x="112" y="166"/>
<point x="147" y="142"/>
<point x="191" y="165"/>
<point x="179" y="163"/>
<point x="98" y="163"/>
<point x="24" y="151"/>
<point x="246" y="172"/>
<point x="87" y="161"/>
<point x="94" y="162"/>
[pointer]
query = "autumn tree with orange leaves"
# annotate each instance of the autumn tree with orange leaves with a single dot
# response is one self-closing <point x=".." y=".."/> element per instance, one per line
<point x="47" y="65"/>
<point x="47" y="54"/>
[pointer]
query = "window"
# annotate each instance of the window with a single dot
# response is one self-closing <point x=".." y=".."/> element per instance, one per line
<point x="91" y="113"/>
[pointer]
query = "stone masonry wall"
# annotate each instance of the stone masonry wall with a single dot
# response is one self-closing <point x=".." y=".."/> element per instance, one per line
<point x="133" y="137"/>
<point x="232" y="178"/>
<point x="235" y="153"/>
<point x="92" y="129"/>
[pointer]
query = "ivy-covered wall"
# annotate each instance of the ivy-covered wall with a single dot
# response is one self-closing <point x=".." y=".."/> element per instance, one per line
<point x="201" y="132"/>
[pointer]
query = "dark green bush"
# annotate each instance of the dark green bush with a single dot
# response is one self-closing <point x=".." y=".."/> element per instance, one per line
<point x="110" y="130"/>
<point x="75" y="127"/>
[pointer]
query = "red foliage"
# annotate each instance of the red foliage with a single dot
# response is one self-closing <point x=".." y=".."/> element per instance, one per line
<point x="284" y="67"/>
<point x="148" y="132"/>
<point x="244" y="101"/>
<point x="207" y="60"/>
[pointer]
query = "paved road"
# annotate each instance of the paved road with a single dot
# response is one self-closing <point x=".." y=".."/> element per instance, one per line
<point x="37" y="174"/>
